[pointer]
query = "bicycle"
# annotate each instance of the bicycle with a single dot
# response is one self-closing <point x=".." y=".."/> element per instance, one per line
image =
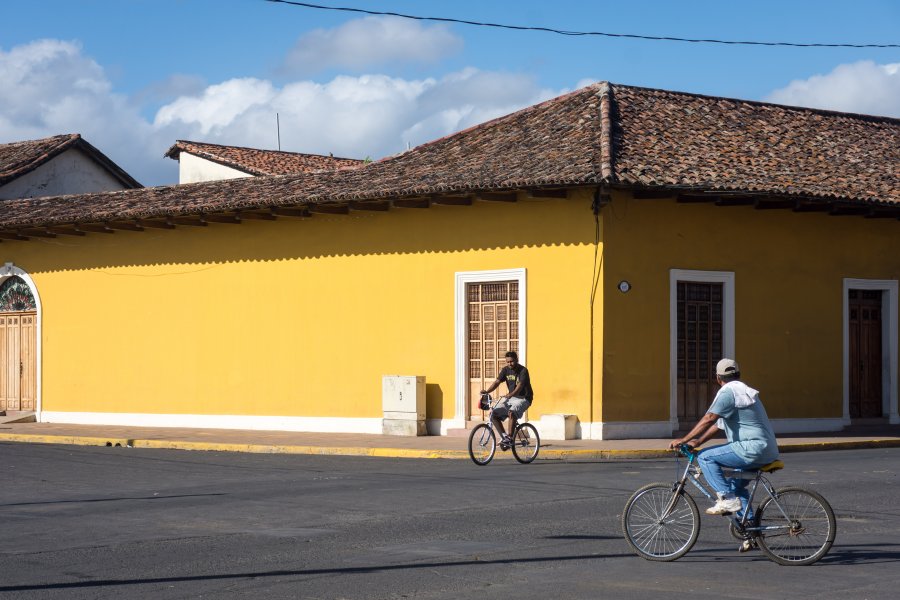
<point x="792" y="526"/>
<point x="526" y="443"/>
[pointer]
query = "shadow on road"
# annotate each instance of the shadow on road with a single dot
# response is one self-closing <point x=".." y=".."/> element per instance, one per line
<point x="293" y="573"/>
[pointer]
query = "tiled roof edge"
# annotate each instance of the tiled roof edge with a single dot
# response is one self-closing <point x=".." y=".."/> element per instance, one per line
<point x="177" y="149"/>
<point x="72" y="138"/>
<point x="808" y="109"/>
<point x="606" y="150"/>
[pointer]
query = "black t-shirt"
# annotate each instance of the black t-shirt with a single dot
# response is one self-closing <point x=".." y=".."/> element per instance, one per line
<point x="512" y="376"/>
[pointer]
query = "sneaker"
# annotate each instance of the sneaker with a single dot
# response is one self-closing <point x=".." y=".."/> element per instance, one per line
<point x="505" y="442"/>
<point x="724" y="506"/>
<point x="747" y="545"/>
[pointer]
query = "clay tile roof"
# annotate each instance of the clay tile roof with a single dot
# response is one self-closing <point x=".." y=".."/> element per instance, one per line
<point x="262" y="162"/>
<point x="19" y="158"/>
<point x="620" y="135"/>
<point x="685" y="140"/>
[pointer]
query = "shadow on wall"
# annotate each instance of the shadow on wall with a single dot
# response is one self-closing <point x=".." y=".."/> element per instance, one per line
<point x="434" y="401"/>
<point x="439" y="229"/>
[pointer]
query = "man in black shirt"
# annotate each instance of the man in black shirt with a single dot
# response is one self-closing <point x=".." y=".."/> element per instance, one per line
<point x="516" y="401"/>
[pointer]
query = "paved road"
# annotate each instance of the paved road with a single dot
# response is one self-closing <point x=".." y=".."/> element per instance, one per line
<point x="87" y="522"/>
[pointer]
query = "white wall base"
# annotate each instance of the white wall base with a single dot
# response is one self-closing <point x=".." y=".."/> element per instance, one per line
<point x="310" y="424"/>
<point x="622" y="430"/>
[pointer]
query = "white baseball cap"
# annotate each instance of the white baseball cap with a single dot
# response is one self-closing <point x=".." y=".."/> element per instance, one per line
<point x="727" y="366"/>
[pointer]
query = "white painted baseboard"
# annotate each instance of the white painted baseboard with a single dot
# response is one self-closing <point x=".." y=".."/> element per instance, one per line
<point x="274" y="423"/>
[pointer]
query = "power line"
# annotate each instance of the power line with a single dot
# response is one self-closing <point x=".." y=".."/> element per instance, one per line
<point x="581" y="33"/>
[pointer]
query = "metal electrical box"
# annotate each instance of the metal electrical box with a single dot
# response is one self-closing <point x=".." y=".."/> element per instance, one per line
<point x="403" y="403"/>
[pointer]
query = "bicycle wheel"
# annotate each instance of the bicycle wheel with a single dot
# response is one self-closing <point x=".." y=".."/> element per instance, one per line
<point x="482" y="444"/>
<point x="655" y="535"/>
<point x="526" y="444"/>
<point x="805" y="527"/>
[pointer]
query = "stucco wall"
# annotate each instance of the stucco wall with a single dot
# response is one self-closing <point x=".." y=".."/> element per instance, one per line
<point x="788" y="268"/>
<point x="71" y="172"/>
<point x="303" y="317"/>
<point x="192" y="169"/>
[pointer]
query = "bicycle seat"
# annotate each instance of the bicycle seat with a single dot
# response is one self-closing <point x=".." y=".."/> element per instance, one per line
<point x="773" y="466"/>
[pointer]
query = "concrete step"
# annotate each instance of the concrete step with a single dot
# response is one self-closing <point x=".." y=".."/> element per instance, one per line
<point x="464" y="432"/>
<point x="18" y="416"/>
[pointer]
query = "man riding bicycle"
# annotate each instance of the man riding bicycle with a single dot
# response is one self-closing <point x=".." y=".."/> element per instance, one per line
<point x="751" y="442"/>
<point x="516" y="402"/>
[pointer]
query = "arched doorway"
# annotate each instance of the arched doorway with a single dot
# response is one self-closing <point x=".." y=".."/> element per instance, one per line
<point x="18" y="346"/>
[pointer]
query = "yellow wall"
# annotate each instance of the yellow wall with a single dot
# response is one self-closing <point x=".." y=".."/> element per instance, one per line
<point x="789" y="269"/>
<point x="303" y="317"/>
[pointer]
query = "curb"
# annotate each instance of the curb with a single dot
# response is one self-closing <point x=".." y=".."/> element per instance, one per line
<point x="545" y="454"/>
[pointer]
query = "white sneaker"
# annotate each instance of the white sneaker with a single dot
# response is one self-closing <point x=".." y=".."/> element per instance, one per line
<point x="724" y="506"/>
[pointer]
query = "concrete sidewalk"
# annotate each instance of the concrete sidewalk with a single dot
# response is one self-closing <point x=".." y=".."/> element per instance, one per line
<point x="351" y="444"/>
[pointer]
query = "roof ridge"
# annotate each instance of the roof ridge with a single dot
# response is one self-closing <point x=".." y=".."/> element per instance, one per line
<point x="495" y="121"/>
<point x="262" y="150"/>
<point x="809" y="109"/>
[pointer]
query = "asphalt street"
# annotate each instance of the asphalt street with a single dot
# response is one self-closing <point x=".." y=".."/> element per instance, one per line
<point x="95" y="522"/>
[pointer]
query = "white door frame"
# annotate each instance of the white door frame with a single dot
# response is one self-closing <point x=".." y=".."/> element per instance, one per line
<point x="9" y="270"/>
<point x="889" y="334"/>
<point x="675" y="275"/>
<point x="461" y="327"/>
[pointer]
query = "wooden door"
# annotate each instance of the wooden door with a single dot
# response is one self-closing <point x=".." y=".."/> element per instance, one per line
<point x="18" y="364"/>
<point x="699" y="343"/>
<point x="493" y="310"/>
<point x="865" y="353"/>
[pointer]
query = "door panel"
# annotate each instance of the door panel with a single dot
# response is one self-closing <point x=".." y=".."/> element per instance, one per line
<point x="865" y="353"/>
<point x="493" y="310"/>
<point x="28" y="385"/>
<point x="699" y="342"/>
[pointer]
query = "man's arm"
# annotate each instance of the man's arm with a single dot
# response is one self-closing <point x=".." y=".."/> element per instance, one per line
<point x="492" y="388"/>
<point x="702" y="431"/>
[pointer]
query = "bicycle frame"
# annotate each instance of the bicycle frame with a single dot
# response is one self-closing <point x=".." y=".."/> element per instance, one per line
<point x="692" y="472"/>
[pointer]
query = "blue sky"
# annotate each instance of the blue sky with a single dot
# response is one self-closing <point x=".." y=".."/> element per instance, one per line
<point x="135" y="75"/>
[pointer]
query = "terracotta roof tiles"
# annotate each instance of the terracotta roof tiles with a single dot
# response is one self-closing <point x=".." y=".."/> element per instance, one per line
<point x="262" y="162"/>
<point x="621" y="135"/>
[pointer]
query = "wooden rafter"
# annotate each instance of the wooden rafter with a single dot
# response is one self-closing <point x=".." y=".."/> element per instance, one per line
<point x="551" y="193"/>
<point x="371" y="205"/>
<point x="329" y="209"/>
<point x="65" y="231"/>
<point x="13" y="235"/>
<point x="291" y="211"/>
<point x="164" y="224"/>
<point x="268" y="215"/>
<point x="498" y="196"/>
<point x="192" y="221"/>
<point x="37" y="232"/>
<point x="454" y="200"/>
<point x="125" y="225"/>
<point x="94" y="228"/>
<point x="230" y="219"/>
<point x="412" y="203"/>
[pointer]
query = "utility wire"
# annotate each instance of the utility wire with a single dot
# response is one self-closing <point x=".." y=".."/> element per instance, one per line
<point x="580" y="33"/>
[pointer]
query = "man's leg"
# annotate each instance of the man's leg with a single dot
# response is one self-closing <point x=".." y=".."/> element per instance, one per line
<point x="513" y="421"/>
<point x="711" y="462"/>
<point x="498" y="424"/>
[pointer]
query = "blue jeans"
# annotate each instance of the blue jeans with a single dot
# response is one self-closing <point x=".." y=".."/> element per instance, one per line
<point x="711" y="461"/>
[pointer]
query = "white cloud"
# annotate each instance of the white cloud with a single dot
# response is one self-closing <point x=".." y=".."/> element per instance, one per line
<point x="862" y="87"/>
<point x="50" y="87"/>
<point x="369" y="115"/>
<point x="370" y="41"/>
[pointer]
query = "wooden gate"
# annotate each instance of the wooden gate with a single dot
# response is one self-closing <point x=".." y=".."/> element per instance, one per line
<point x="493" y="310"/>
<point x="18" y="364"/>
<point x="699" y="342"/>
<point x="865" y="353"/>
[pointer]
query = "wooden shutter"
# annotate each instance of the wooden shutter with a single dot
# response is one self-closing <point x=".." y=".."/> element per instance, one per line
<point x="699" y="343"/>
<point x="493" y="310"/>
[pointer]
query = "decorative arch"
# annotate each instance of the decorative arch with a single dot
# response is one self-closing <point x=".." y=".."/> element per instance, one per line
<point x="16" y="296"/>
<point x="15" y="279"/>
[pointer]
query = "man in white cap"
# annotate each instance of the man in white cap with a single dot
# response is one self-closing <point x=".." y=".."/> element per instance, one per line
<point x="751" y="441"/>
